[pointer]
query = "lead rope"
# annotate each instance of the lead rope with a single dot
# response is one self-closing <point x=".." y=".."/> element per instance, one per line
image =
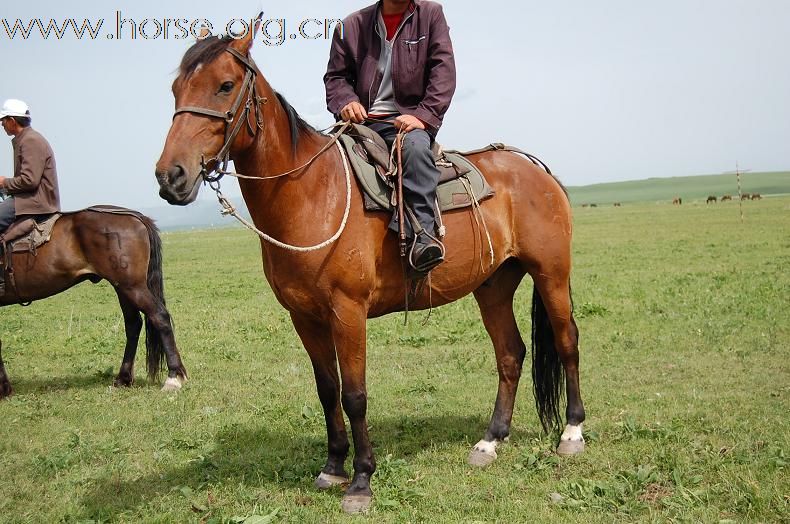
<point x="230" y="209"/>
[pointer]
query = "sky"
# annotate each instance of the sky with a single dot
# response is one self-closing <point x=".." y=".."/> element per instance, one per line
<point x="601" y="91"/>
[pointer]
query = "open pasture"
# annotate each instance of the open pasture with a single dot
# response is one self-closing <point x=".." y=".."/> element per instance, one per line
<point x="683" y="314"/>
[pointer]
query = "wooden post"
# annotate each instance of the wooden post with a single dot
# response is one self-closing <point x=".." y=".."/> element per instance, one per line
<point x="740" y="196"/>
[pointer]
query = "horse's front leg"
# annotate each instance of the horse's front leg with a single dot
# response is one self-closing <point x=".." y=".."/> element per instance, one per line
<point x="317" y="340"/>
<point x="348" y="323"/>
<point x="5" y="385"/>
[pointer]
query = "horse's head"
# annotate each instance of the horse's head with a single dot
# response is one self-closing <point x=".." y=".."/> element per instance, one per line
<point x="218" y="111"/>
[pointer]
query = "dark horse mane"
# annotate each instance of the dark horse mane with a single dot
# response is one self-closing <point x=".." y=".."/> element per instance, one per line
<point x="207" y="50"/>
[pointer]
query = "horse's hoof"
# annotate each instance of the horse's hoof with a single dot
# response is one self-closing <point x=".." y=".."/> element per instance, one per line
<point x="6" y="391"/>
<point x="326" y="481"/>
<point x="570" y="447"/>
<point x="355" y="504"/>
<point x="172" y="384"/>
<point x="483" y="454"/>
<point x="481" y="458"/>
<point x="122" y="382"/>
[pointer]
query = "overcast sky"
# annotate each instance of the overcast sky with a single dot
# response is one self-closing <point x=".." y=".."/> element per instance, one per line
<point x="601" y="90"/>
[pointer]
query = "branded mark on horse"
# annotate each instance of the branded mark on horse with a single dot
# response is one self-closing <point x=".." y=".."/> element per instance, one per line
<point x="117" y="245"/>
<point x="331" y="292"/>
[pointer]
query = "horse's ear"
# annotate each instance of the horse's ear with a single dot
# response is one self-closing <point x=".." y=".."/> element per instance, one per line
<point x="244" y="44"/>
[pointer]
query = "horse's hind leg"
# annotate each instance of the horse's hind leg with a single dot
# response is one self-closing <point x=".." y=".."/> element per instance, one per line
<point x="133" y="324"/>
<point x="553" y="323"/>
<point x="317" y="340"/>
<point x="5" y="386"/>
<point x="159" y="338"/>
<point x="495" y="299"/>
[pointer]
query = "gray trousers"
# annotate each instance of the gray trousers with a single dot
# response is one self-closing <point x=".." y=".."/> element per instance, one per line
<point x="7" y="213"/>
<point x="420" y="176"/>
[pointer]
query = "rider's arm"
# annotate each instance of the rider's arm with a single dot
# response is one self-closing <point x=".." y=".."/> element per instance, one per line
<point x="340" y="77"/>
<point x="32" y="160"/>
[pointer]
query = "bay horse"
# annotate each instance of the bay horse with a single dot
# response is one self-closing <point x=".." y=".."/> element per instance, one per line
<point x="122" y="247"/>
<point x="331" y="291"/>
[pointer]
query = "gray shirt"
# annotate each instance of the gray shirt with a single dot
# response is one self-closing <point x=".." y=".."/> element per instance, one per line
<point x="384" y="103"/>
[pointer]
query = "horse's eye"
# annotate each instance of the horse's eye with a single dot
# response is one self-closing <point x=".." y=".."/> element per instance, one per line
<point x="226" y="87"/>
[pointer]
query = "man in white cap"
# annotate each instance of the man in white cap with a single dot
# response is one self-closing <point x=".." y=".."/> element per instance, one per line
<point x="33" y="190"/>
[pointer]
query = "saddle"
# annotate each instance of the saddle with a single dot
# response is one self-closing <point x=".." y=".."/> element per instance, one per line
<point x="28" y="234"/>
<point x="460" y="182"/>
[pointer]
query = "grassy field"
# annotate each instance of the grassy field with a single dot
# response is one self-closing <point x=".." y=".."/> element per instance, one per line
<point x="685" y="340"/>
<point x="689" y="188"/>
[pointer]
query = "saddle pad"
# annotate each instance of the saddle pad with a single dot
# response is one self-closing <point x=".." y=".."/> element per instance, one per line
<point x="454" y="194"/>
<point x="39" y="236"/>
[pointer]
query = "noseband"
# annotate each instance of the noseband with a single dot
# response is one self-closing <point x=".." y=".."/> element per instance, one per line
<point x="248" y="90"/>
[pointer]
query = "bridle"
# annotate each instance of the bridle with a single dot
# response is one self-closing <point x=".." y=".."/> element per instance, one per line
<point x="249" y="91"/>
<point x="221" y="159"/>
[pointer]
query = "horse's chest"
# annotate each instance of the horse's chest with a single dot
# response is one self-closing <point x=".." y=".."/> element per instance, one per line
<point x="293" y="294"/>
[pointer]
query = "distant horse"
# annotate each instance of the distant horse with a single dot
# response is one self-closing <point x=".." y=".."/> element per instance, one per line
<point x="710" y="199"/>
<point x="756" y="196"/>
<point x="122" y="247"/>
<point x="617" y="204"/>
<point x="746" y="196"/>
<point x="352" y="271"/>
<point x="725" y="198"/>
<point x="677" y="201"/>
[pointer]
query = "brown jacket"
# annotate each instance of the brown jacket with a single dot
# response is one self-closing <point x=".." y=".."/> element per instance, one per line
<point x="423" y="66"/>
<point x="35" y="182"/>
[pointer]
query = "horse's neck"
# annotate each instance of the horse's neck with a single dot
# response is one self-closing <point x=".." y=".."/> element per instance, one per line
<point x="277" y="203"/>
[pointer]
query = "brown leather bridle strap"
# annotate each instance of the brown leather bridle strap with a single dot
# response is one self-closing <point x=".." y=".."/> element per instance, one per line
<point x="252" y="103"/>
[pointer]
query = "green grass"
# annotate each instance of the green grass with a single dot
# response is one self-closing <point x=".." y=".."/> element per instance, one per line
<point x="683" y="313"/>
<point x="690" y="188"/>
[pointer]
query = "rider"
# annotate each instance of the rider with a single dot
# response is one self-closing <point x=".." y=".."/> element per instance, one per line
<point x="393" y="62"/>
<point x="33" y="189"/>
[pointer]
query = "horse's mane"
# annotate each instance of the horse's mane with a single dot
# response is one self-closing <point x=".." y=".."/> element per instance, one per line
<point x="207" y="50"/>
<point x="203" y="51"/>
<point x="297" y="124"/>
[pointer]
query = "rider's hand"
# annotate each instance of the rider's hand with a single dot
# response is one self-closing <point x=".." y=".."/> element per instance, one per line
<point x="406" y="123"/>
<point x="2" y="181"/>
<point x="354" y="112"/>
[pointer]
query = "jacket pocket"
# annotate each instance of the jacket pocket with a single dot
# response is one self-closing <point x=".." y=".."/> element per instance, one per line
<point x="414" y="52"/>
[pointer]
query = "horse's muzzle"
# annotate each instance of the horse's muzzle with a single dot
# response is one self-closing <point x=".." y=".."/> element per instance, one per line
<point x="175" y="186"/>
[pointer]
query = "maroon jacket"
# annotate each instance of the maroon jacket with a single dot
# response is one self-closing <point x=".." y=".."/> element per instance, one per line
<point x="423" y="66"/>
<point x="35" y="182"/>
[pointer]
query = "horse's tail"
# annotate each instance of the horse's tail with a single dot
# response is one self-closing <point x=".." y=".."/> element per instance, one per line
<point x="154" y="347"/>
<point x="548" y="375"/>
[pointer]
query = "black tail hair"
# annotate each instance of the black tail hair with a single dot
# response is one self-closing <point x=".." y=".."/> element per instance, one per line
<point x="154" y="348"/>
<point x="548" y="375"/>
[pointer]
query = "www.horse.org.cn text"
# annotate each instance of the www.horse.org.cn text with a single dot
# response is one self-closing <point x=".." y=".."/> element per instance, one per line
<point x="271" y="32"/>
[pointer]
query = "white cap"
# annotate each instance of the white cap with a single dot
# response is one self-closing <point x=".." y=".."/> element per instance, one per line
<point x="13" y="107"/>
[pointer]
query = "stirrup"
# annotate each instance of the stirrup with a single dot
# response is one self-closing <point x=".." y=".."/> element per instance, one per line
<point x="425" y="268"/>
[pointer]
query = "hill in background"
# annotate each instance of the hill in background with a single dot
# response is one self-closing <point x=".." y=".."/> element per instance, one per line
<point x="689" y="188"/>
<point x="205" y="214"/>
